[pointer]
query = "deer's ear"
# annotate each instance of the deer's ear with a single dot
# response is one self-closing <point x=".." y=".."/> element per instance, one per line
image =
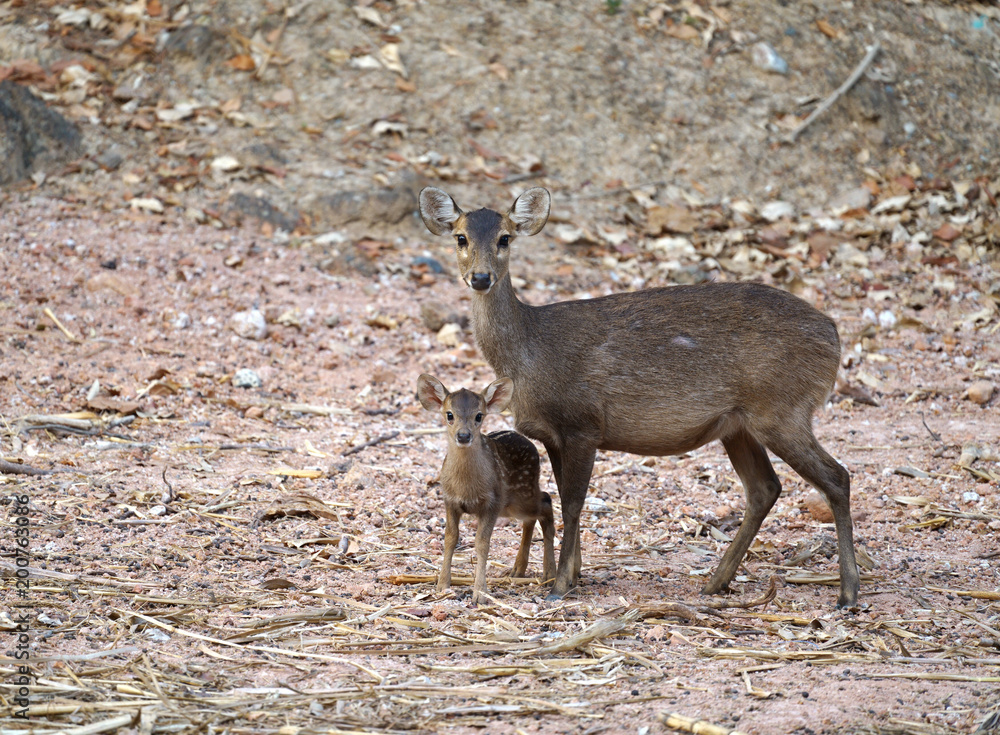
<point x="431" y="392"/>
<point x="530" y="211"/>
<point x="438" y="210"/>
<point x="498" y="394"/>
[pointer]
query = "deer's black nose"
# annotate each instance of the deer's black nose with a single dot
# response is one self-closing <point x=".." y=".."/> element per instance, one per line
<point x="480" y="281"/>
<point x="464" y="437"/>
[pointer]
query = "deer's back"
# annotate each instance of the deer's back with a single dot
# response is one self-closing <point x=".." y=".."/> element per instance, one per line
<point x="517" y="457"/>
<point x="665" y="370"/>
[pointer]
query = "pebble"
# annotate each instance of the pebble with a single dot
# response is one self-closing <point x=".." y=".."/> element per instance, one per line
<point x="773" y="211"/>
<point x="450" y="335"/>
<point x="971" y="496"/>
<point x="818" y="508"/>
<point x="887" y="320"/>
<point x="980" y="392"/>
<point x="859" y="198"/>
<point x="596" y="505"/>
<point x="435" y="315"/>
<point x="247" y="378"/>
<point x="765" y="57"/>
<point x="249" y="324"/>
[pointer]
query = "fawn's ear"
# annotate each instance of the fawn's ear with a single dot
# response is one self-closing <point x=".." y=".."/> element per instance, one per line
<point x="530" y="211"/>
<point x="498" y="394"/>
<point x="431" y="392"/>
<point x="438" y="210"/>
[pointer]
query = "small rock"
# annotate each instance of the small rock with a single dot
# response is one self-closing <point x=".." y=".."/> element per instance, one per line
<point x="243" y="205"/>
<point x="765" y="57"/>
<point x="358" y="477"/>
<point x="450" y="335"/>
<point x="431" y="264"/>
<point x="435" y="315"/>
<point x="247" y="378"/>
<point x="249" y="324"/>
<point x="596" y="505"/>
<point x="254" y="412"/>
<point x="887" y="320"/>
<point x="182" y="320"/>
<point x="980" y="392"/>
<point x="225" y="163"/>
<point x="818" y="508"/>
<point x="389" y="204"/>
<point x="947" y="232"/>
<point x="383" y="376"/>
<point x="773" y="211"/>
<point x="971" y="496"/>
<point x="33" y="138"/>
<point x="859" y="198"/>
<point x="721" y="511"/>
<point x="109" y="159"/>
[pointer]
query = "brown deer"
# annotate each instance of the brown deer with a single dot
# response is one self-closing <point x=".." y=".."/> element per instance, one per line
<point x="654" y="372"/>
<point x="487" y="475"/>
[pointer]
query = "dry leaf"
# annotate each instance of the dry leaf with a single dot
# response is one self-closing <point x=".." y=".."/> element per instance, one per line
<point x="338" y="55"/>
<point x="670" y="218"/>
<point x="947" y="232"/>
<point x="148" y="204"/>
<point x="683" y="31"/>
<point x="242" y="62"/>
<point x="828" y="30"/>
<point x="500" y="70"/>
<point x="292" y="472"/>
<point x="369" y="15"/>
<point x="389" y="56"/>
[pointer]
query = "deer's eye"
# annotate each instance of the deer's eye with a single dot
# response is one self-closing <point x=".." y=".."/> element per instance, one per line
<point x="479" y="417"/>
<point x="462" y="242"/>
<point x="503" y="242"/>
<point x="450" y="416"/>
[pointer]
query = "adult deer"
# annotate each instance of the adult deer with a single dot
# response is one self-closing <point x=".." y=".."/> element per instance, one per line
<point x="654" y="372"/>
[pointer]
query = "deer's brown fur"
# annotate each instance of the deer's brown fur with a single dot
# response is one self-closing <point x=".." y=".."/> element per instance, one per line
<point x="654" y="372"/>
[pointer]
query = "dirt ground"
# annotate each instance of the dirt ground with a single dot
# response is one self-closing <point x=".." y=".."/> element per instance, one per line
<point x="208" y="557"/>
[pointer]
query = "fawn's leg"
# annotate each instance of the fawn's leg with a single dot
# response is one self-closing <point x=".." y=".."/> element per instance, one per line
<point x="452" y="516"/>
<point x="483" y="535"/>
<point x="521" y="563"/>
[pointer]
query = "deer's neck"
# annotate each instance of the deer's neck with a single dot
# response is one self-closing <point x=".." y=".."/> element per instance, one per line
<point x="470" y="474"/>
<point x="502" y="324"/>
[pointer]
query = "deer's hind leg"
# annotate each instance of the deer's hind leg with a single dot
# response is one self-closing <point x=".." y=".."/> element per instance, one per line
<point x="762" y="488"/>
<point x="805" y="455"/>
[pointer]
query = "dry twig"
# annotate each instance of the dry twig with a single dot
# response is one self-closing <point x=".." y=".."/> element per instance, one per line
<point x="840" y="91"/>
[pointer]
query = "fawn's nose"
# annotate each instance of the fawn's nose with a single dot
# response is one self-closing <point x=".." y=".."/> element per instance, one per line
<point x="480" y="281"/>
<point x="464" y="437"/>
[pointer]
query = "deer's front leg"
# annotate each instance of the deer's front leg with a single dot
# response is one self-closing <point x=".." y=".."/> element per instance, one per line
<point x="452" y="517"/>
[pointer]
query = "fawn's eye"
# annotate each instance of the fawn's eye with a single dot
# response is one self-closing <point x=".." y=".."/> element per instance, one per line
<point x="462" y="242"/>
<point x="450" y="416"/>
<point x="503" y="242"/>
<point x="479" y="417"/>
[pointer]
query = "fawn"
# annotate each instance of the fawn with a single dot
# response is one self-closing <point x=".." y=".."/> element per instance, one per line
<point x="487" y="475"/>
<point x="654" y="372"/>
